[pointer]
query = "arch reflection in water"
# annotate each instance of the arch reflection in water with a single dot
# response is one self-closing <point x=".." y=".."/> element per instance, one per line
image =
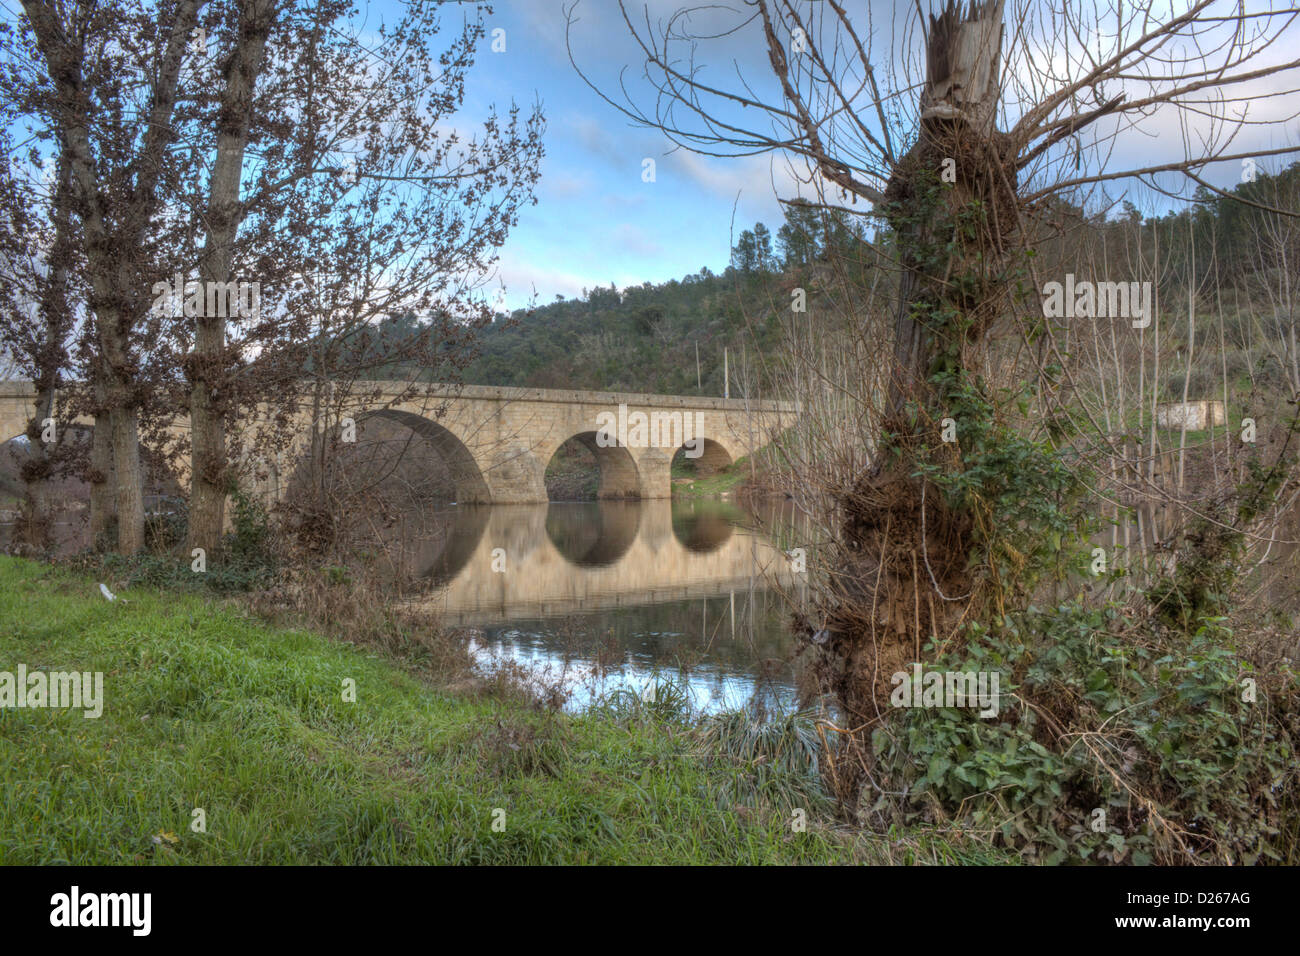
<point x="532" y="561"/>
<point x="440" y="556"/>
<point x="625" y="588"/>
<point x="593" y="534"/>
<point x="705" y="526"/>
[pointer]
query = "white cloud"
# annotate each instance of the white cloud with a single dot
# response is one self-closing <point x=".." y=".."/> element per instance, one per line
<point x="522" y="279"/>
<point x="635" y="240"/>
<point x="759" y="180"/>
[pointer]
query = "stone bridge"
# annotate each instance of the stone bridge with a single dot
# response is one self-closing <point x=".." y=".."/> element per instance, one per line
<point x="498" y="441"/>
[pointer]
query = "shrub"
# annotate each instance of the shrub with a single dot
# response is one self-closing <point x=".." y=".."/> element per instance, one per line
<point x="1154" y="735"/>
<point x="250" y="541"/>
<point x="664" y="702"/>
<point x="772" y="760"/>
<point x="167" y="523"/>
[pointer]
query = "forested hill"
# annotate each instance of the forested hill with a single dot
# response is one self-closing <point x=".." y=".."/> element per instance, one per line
<point x="643" y="339"/>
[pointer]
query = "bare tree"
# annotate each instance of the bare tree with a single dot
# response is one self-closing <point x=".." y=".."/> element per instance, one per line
<point x="373" y="229"/>
<point x="226" y="209"/>
<point x="363" y="209"/>
<point x="38" y="241"/>
<point x="110" y="106"/>
<point x="238" y="137"/>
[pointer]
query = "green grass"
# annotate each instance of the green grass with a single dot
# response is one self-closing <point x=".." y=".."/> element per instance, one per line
<point x="725" y="481"/>
<point x="206" y="708"/>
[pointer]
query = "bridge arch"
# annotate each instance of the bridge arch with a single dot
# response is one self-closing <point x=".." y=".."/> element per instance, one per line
<point x="497" y="440"/>
<point x="466" y="475"/>
<point x="620" y="478"/>
<point x="708" y="460"/>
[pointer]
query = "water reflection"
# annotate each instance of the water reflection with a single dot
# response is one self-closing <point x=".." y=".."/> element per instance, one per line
<point x="447" y="539"/>
<point x="593" y="534"/>
<point x="601" y="595"/>
<point x="703" y="526"/>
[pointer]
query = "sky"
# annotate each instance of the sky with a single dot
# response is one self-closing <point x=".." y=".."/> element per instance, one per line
<point x="598" y="222"/>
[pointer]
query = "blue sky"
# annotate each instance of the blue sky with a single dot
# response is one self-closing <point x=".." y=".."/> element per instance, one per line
<point x="596" y="221"/>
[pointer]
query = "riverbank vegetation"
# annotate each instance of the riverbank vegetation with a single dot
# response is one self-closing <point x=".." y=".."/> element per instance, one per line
<point x="208" y="709"/>
<point x="992" y="475"/>
<point x="732" y="481"/>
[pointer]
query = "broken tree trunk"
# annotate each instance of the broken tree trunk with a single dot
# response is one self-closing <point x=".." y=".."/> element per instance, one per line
<point x="958" y="145"/>
<point x="951" y="205"/>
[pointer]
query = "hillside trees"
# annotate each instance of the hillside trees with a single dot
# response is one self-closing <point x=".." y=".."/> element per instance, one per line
<point x="753" y="250"/>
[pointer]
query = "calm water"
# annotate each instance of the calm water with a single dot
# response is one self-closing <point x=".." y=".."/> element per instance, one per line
<point x="597" y="596"/>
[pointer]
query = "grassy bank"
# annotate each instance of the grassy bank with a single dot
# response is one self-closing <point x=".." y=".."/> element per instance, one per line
<point x="207" y="709"/>
<point x="726" y="481"/>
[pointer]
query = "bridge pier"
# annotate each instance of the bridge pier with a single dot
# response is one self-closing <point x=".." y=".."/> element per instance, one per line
<point x="515" y="476"/>
<point x="654" y="466"/>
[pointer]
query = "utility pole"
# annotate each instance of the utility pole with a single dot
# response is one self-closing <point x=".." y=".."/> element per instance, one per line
<point x="726" y="374"/>
<point x="698" y="386"/>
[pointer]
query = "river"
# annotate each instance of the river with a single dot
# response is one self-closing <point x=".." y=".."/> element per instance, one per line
<point x="598" y="596"/>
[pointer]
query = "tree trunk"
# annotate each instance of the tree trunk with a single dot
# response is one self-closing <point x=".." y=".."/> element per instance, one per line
<point x="958" y="145"/>
<point x="113" y="243"/>
<point x="103" y="499"/>
<point x="128" y="478"/>
<point x="36" y="515"/>
<point x="50" y="358"/>
<point x="209" y="480"/>
<point x="124" y="433"/>
<point x="905" y="550"/>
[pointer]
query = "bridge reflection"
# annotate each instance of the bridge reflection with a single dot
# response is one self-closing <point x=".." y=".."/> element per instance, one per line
<point x="493" y="564"/>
